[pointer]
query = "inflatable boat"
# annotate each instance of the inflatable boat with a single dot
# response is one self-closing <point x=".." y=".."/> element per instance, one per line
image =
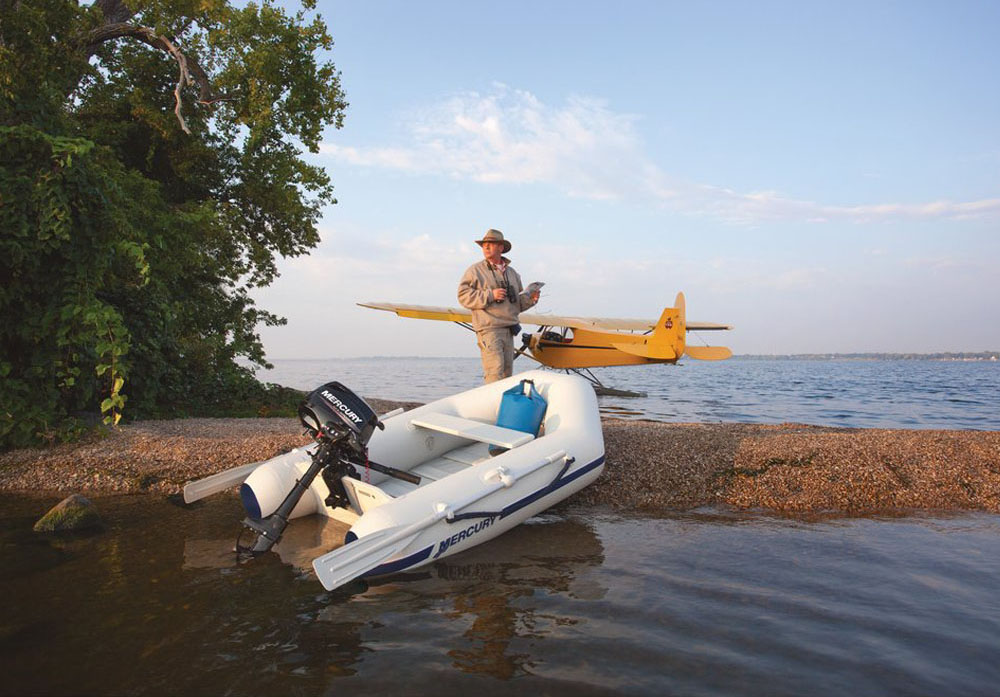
<point x="420" y="485"/>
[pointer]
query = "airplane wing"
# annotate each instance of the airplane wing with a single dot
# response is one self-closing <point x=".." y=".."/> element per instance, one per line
<point x="607" y="323"/>
<point x="452" y="314"/>
<point x="445" y="314"/>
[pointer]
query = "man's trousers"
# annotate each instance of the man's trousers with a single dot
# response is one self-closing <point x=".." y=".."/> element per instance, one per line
<point x="497" y="349"/>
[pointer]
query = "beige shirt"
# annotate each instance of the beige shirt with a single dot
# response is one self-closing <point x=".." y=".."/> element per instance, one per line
<point x="475" y="292"/>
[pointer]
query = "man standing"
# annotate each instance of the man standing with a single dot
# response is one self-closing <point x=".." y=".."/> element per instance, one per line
<point x="492" y="289"/>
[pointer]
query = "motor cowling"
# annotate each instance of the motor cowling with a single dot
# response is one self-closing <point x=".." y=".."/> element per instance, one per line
<point x="334" y="412"/>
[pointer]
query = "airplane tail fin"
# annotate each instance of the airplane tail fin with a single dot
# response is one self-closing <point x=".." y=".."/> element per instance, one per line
<point x="667" y="342"/>
<point x="669" y="338"/>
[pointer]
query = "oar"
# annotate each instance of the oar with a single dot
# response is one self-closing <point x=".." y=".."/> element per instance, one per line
<point x="218" y="482"/>
<point x="365" y="553"/>
<point x="390" y="414"/>
<point x="355" y="558"/>
<point x="221" y="481"/>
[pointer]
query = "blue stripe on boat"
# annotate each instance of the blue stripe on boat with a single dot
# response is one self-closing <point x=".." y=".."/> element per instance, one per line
<point x="554" y="486"/>
<point x="409" y="560"/>
<point x="400" y="564"/>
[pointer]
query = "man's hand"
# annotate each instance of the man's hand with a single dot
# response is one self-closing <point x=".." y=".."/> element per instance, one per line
<point x="499" y="294"/>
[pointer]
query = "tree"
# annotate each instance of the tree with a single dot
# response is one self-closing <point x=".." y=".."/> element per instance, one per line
<point x="151" y="173"/>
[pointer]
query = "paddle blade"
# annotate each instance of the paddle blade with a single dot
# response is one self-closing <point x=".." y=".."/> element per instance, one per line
<point x="356" y="558"/>
<point x="215" y="483"/>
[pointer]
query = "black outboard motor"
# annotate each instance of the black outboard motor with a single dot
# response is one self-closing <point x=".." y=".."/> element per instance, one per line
<point x="342" y="423"/>
<point x="333" y="411"/>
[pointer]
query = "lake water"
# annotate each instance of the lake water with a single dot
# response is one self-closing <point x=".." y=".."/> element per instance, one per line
<point x="853" y="393"/>
<point x="578" y="601"/>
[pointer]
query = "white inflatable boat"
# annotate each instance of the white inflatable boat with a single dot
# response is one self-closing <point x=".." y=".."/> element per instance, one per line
<point x="419" y="485"/>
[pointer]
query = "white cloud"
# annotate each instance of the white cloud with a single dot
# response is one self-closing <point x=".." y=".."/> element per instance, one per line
<point x="589" y="151"/>
<point x="382" y="262"/>
<point x="510" y="137"/>
<point x="950" y="264"/>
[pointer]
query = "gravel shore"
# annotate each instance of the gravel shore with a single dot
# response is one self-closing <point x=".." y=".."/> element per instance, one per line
<point x="651" y="466"/>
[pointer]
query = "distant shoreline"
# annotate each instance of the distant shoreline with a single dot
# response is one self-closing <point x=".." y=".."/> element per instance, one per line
<point x="991" y="356"/>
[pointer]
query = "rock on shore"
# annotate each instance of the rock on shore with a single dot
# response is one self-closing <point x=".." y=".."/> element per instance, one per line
<point x="73" y="513"/>
<point x="651" y="466"/>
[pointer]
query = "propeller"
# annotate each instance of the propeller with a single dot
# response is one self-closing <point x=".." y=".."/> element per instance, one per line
<point x="525" y="344"/>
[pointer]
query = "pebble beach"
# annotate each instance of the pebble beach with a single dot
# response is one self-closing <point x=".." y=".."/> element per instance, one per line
<point x="651" y="466"/>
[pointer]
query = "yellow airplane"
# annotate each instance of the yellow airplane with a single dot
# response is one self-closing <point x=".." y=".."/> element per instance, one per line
<point x="582" y="343"/>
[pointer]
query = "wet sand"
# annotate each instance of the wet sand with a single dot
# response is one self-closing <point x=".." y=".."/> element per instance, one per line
<point x="651" y="466"/>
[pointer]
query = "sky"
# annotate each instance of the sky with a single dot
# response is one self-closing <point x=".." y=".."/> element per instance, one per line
<point x="823" y="176"/>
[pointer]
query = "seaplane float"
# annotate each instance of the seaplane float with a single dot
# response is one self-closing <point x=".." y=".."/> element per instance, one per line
<point x="420" y="485"/>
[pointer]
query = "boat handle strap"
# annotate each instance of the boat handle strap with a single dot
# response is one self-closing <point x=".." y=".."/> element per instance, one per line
<point x="455" y="517"/>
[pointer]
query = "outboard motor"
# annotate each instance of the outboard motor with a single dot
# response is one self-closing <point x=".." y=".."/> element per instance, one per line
<point x="342" y="423"/>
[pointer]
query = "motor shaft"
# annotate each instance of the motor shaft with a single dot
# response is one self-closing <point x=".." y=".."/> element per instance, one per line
<point x="270" y="529"/>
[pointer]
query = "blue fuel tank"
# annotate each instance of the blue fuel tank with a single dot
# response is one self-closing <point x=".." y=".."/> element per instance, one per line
<point x="522" y="408"/>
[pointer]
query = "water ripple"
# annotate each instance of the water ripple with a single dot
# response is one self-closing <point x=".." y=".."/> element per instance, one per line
<point x="866" y="394"/>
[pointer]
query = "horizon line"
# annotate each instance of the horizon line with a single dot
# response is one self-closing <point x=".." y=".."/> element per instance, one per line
<point x="987" y="353"/>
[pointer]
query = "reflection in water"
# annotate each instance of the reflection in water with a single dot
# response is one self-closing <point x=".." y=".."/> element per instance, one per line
<point x="489" y="591"/>
<point x="544" y="557"/>
<point x="209" y="554"/>
<point x="152" y="607"/>
<point x="489" y="636"/>
<point x="573" y="603"/>
<point x="303" y="540"/>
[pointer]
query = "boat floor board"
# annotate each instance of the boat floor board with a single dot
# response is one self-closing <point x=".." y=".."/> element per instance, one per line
<point x="429" y="471"/>
<point x="469" y="454"/>
<point x="451" y="462"/>
<point x="396" y="487"/>
<point x="438" y="469"/>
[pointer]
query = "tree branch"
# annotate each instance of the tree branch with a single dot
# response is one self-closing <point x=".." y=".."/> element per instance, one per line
<point x="185" y="78"/>
<point x="117" y="26"/>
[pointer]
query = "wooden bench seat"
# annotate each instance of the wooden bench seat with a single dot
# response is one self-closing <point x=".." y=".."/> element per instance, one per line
<point x="473" y="430"/>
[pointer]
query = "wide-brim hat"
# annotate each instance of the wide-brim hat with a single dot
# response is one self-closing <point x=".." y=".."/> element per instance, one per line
<point x="495" y="236"/>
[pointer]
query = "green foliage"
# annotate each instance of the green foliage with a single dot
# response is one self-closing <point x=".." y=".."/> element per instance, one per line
<point x="127" y="246"/>
<point x="67" y="239"/>
<point x="36" y="71"/>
